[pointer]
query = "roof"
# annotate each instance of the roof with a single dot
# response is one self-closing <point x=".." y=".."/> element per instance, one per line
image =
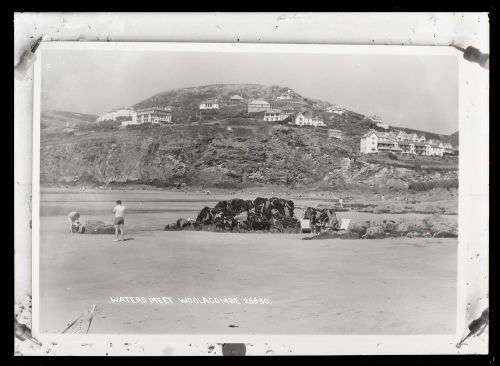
<point x="391" y="141"/>
<point x="153" y="108"/>
<point x="236" y="97"/>
<point x="274" y="111"/>
<point x="258" y="101"/>
<point x="213" y="101"/>
<point x="434" y="142"/>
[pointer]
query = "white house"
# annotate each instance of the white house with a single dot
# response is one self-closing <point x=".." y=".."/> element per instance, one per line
<point x="375" y="141"/>
<point x="382" y="125"/>
<point x="422" y="148"/>
<point x="308" y="120"/>
<point x="235" y="98"/>
<point x="258" y="105"/>
<point x="155" y="115"/>
<point x="375" y="118"/>
<point x="128" y="122"/>
<point x="369" y="143"/>
<point x="436" y="147"/>
<point x="209" y="104"/>
<point x="412" y="137"/>
<point x="274" y="115"/>
<point x="286" y="96"/>
<point x="335" y="110"/>
<point x="115" y="114"/>
<point x="401" y="136"/>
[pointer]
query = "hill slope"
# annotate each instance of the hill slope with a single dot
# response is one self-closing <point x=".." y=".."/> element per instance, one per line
<point x="53" y="120"/>
<point x="453" y="139"/>
<point x="228" y="148"/>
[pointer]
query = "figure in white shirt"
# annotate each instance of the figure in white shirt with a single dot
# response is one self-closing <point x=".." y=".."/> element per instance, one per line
<point x="73" y="222"/>
<point x="119" y="219"/>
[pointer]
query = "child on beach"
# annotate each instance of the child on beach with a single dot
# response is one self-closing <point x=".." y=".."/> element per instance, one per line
<point x="119" y="219"/>
<point x="73" y="217"/>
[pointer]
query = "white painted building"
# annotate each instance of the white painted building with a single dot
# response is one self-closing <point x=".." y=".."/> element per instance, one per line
<point x="373" y="142"/>
<point x="436" y="147"/>
<point x="128" y="122"/>
<point x="258" y="105"/>
<point x="382" y="125"/>
<point x="308" y="120"/>
<point x="235" y="98"/>
<point x="155" y="115"/>
<point x="335" y="110"/>
<point x="286" y="96"/>
<point x="115" y="114"/>
<point x="209" y="104"/>
<point x="272" y="115"/>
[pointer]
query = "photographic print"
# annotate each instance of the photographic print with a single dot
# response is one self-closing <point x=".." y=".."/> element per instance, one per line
<point x="247" y="189"/>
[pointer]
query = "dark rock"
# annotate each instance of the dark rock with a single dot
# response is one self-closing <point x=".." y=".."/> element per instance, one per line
<point x="374" y="232"/>
<point x="359" y="227"/>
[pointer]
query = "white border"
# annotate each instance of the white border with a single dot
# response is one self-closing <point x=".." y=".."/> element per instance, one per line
<point x="300" y="344"/>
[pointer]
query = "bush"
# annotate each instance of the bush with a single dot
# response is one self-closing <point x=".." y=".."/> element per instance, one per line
<point x="392" y="156"/>
<point x="142" y="126"/>
<point x="425" y="186"/>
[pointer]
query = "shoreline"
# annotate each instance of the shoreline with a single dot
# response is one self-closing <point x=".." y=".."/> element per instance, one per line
<point x="435" y="201"/>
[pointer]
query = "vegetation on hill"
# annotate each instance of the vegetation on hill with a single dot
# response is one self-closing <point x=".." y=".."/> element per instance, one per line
<point x="51" y="120"/>
<point x="453" y="139"/>
<point x="225" y="148"/>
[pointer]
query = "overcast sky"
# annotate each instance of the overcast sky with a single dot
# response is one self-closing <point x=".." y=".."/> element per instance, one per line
<point x="418" y="92"/>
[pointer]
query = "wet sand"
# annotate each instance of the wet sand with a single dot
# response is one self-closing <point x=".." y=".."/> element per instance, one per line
<point x="390" y="286"/>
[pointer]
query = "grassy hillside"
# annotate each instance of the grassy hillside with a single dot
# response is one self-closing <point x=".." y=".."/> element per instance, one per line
<point x="225" y="148"/>
<point x="453" y="139"/>
<point x="51" y="120"/>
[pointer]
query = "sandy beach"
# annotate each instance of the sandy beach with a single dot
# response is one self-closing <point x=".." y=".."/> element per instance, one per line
<point x="388" y="286"/>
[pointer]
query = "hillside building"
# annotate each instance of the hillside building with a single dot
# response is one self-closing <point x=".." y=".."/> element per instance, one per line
<point x="274" y="115"/>
<point x="258" y="105"/>
<point x="286" y="96"/>
<point x="407" y="147"/>
<point x="421" y="148"/>
<point x="436" y="147"/>
<point x="382" y="125"/>
<point x="448" y="149"/>
<point x="116" y="114"/>
<point x="375" y="118"/>
<point x="308" y="120"/>
<point x="373" y="142"/>
<point x="155" y="115"/>
<point x="235" y="98"/>
<point x="209" y="104"/>
<point x="335" y="110"/>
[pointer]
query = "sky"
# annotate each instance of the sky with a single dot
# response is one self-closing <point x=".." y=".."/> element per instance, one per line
<point x="419" y="92"/>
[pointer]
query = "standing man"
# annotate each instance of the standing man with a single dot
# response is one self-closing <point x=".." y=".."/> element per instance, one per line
<point x="119" y="219"/>
<point x="73" y="217"/>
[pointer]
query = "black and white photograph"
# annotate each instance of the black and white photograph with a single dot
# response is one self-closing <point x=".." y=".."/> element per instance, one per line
<point x="256" y="192"/>
<point x="247" y="190"/>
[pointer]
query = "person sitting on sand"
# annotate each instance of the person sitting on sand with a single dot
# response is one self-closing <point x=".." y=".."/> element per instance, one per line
<point x="333" y="222"/>
<point x="73" y="217"/>
<point x="119" y="219"/>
